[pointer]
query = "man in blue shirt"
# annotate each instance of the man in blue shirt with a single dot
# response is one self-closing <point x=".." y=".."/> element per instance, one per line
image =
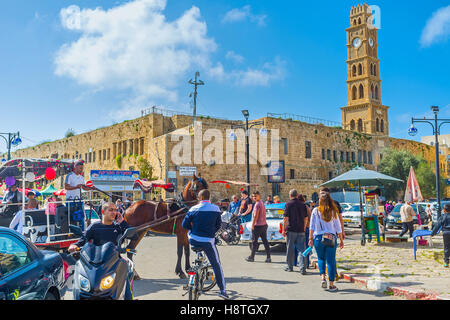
<point x="234" y="205"/>
<point x="203" y="221"/>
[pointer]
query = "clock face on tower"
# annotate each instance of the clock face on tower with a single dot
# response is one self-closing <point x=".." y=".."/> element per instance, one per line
<point x="356" y="42"/>
<point x="371" y="42"/>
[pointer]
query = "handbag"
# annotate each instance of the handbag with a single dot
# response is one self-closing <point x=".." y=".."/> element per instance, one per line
<point x="328" y="239"/>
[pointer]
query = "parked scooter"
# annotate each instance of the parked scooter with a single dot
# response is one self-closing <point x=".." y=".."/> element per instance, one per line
<point x="101" y="271"/>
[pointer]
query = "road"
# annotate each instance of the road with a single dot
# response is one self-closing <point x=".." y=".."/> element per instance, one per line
<point x="156" y="258"/>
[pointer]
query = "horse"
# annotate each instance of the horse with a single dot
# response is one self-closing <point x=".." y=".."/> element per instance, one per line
<point x="142" y="212"/>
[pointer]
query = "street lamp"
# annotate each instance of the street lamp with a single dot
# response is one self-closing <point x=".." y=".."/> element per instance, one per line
<point x="246" y="127"/>
<point x="436" y="131"/>
<point x="12" y="140"/>
<point x="196" y="83"/>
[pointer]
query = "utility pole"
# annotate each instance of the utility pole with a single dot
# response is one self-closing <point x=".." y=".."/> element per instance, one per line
<point x="197" y="82"/>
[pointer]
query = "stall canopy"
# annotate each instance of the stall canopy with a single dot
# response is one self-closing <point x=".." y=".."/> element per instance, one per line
<point x="48" y="191"/>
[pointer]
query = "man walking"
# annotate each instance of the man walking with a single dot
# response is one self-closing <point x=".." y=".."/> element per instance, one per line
<point x="444" y="223"/>
<point x="407" y="213"/>
<point x="259" y="228"/>
<point x="294" y="215"/>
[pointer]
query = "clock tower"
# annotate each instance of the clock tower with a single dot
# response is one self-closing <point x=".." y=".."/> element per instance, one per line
<point x="364" y="111"/>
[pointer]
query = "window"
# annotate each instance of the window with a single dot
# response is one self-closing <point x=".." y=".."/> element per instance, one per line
<point x="377" y="125"/>
<point x="99" y="155"/>
<point x="285" y="144"/>
<point x="359" y="156"/>
<point x="353" y="156"/>
<point x="382" y="125"/>
<point x="323" y="154"/>
<point x="360" y="69"/>
<point x="352" y="125"/>
<point x="376" y="92"/>
<point x="119" y="149"/>
<point x="361" y="91"/>
<point x="131" y="146"/>
<point x="292" y="173"/>
<point x="371" y="69"/>
<point x="360" y="125"/>
<point x="372" y="95"/>
<point x="330" y="175"/>
<point x="14" y="254"/>
<point x="365" y="156"/>
<point x="354" y="92"/>
<point x="93" y="156"/>
<point x="335" y="156"/>
<point x="109" y="153"/>
<point x="354" y="71"/>
<point x="85" y="157"/>
<point x="347" y="156"/>
<point x="90" y="156"/>
<point x="359" y="20"/>
<point x="342" y="156"/>
<point x="141" y="148"/>
<point x="124" y="147"/>
<point x="374" y="69"/>
<point x="308" y="149"/>
<point x="104" y="154"/>
<point x="328" y="154"/>
<point x="370" y="157"/>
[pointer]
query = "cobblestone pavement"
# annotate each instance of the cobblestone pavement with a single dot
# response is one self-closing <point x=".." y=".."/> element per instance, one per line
<point x="393" y="264"/>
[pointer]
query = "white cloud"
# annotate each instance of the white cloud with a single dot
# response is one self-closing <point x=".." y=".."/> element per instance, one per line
<point x="437" y="28"/>
<point x="133" y="46"/>
<point x="231" y="55"/>
<point x="264" y="76"/>
<point x="244" y="13"/>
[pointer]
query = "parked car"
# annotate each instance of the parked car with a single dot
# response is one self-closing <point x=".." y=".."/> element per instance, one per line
<point x="274" y="216"/>
<point x="27" y="273"/>
<point x="394" y="220"/>
<point x="352" y="217"/>
<point x="346" y="206"/>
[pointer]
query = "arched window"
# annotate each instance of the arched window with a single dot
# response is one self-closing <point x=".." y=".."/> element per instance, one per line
<point x="360" y="125"/>
<point x="382" y="125"/>
<point x="354" y="71"/>
<point x="361" y="91"/>
<point x="360" y="69"/>
<point x="376" y="92"/>
<point x="371" y="69"/>
<point x="359" y="20"/>
<point x="377" y="125"/>
<point x="352" y="125"/>
<point x="354" y="22"/>
<point x="371" y="92"/>
<point x="354" y="92"/>
<point x="374" y="69"/>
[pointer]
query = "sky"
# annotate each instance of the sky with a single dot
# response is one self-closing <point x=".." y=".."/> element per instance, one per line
<point x="89" y="64"/>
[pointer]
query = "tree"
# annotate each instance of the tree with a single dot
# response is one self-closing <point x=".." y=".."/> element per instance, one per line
<point x="396" y="164"/>
<point x="427" y="180"/>
<point x="70" y="133"/>
<point x="145" y="168"/>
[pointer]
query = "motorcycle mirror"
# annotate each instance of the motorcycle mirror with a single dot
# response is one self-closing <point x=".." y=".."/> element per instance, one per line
<point x="130" y="233"/>
<point x="75" y="230"/>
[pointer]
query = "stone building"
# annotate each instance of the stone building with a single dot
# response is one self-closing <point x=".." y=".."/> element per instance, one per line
<point x="312" y="152"/>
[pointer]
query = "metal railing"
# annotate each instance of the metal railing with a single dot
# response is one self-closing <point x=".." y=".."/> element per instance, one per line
<point x="307" y="119"/>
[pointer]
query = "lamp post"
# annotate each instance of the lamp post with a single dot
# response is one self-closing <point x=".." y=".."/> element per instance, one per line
<point x="246" y="127"/>
<point x="12" y="140"/>
<point x="196" y="83"/>
<point x="436" y="131"/>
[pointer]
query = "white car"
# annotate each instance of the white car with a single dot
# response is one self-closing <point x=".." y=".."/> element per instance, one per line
<point x="346" y="206"/>
<point x="274" y="216"/>
<point x="352" y="217"/>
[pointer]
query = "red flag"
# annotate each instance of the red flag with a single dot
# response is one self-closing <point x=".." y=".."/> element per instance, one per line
<point x="413" y="193"/>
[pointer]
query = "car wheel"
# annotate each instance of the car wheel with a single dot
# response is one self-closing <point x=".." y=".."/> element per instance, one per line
<point x="50" y="296"/>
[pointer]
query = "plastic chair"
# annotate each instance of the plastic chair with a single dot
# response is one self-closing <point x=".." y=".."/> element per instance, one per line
<point x="421" y="233"/>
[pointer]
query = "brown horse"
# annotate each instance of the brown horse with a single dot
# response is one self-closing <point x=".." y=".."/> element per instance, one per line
<point x="142" y="212"/>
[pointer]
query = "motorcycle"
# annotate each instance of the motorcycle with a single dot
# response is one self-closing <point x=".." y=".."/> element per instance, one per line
<point x="101" y="272"/>
<point x="229" y="232"/>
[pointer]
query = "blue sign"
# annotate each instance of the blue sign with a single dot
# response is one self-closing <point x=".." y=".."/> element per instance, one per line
<point x="448" y="182"/>
<point x="276" y="172"/>
<point x="114" y="175"/>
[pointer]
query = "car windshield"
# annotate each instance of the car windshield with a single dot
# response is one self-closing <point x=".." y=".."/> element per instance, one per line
<point x="274" y="213"/>
<point x="356" y="208"/>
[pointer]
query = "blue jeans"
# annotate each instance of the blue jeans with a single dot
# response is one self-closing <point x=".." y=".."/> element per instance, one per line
<point x="326" y="255"/>
<point x="298" y="240"/>
<point x="297" y="252"/>
<point x="213" y="257"/>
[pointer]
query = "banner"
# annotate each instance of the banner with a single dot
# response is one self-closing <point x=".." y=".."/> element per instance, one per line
<point x="114" y="175"/>
<point x="276" y="172"/>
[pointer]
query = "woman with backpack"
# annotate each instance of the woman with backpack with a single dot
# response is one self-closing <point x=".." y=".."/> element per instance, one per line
<point x="324" y="229"/>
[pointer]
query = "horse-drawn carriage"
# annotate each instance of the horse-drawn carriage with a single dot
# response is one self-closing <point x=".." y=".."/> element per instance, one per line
<point x="47" y="228"/>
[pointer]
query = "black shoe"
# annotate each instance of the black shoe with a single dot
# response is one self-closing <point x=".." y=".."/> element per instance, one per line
<point x="303" y="272"/>
<point x="288" y="269"/>
<point x="249" y="259"/>
<point x="268" y="260"/>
